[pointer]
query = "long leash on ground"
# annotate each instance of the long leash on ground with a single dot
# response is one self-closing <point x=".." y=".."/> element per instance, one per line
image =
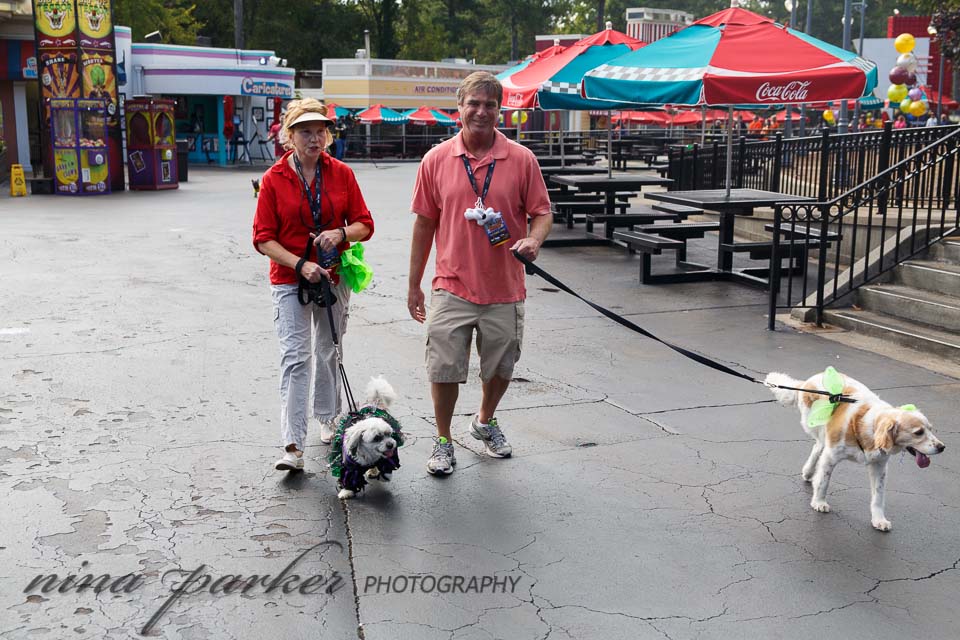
<point x="533" y="269"/>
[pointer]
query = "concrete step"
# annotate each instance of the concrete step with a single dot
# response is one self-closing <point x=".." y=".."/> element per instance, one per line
<point x="915" y="305"/>
<point x="921" y="338"/>
<point x="939" y="277"/>
<point x="947" y="250"/>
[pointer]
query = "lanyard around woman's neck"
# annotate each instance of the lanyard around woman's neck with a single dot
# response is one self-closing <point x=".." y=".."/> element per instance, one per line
<point x="314" y="199"/>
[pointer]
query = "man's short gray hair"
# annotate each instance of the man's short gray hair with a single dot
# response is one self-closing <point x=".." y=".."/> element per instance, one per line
<point x="480" y="81"/>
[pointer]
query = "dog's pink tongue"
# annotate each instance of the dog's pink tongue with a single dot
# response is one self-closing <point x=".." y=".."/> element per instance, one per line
<point x="922" y="461"/>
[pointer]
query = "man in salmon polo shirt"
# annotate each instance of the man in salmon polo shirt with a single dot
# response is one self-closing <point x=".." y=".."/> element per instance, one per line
<point x="479" y="284"/>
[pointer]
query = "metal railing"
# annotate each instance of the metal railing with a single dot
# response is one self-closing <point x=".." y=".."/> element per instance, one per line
<point x="822" y="166"/>
<point x="862" y="233"/>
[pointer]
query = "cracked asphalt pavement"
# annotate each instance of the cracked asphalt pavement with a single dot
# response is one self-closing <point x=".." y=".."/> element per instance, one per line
<point x="648" y="496"/>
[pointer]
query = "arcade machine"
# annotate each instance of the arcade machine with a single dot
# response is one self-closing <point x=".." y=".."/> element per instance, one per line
<point x="151" y="145"/>
<point x="79" y="130"/>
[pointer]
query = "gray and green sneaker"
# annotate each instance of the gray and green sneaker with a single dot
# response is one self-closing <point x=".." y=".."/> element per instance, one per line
<point x="493" y="439"/>
<point x="442" y="460"/>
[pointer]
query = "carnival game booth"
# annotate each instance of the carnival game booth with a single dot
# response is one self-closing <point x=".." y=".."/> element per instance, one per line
<point x="80" y="153"/>
<point x="226" y="99"/>
<point x="151" y="147"/>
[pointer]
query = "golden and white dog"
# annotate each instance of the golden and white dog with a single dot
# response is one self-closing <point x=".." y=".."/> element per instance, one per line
<point x="868" y="431"/>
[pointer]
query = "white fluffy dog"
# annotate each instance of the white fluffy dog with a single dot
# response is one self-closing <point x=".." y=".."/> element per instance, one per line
<point x="365" y="444"/>
<point x="868" y="431"/>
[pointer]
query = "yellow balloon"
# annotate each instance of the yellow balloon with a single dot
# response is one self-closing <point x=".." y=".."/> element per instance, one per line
<point x="897" y="92"/>
<point x="904" y="43"/>
<point x="828" y="115"/>
<point x="918" y="108"/>
<point x="905" y="105"/>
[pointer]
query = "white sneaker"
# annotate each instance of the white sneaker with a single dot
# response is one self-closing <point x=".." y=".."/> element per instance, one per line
<point x="494" y="442"/>
<point x="327" y="430"/>
<point x="290" y="462"/>
<point x="442" y="460"/>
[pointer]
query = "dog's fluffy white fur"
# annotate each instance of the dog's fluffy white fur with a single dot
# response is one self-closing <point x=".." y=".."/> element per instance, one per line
<point x="868" y="431"/>
<point x="371" y="439"/>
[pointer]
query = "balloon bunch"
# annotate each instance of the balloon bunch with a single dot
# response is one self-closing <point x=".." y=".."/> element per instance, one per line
<point x="904" y="91"/>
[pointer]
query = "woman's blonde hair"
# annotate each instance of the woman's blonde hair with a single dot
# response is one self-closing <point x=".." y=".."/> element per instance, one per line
<point x="297" y="108"/>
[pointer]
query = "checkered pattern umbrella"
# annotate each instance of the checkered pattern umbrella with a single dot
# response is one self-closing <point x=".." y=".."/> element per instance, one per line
<point x="734" y="57"/>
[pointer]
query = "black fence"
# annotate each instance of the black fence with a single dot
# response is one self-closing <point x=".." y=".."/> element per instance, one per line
<point x="857" y="236"/>
<point x="821" y="167"/>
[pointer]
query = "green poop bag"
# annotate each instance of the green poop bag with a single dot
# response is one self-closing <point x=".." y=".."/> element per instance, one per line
<point x="354" y="269"/>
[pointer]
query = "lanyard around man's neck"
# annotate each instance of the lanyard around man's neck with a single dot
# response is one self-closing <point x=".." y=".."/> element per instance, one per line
<point x="481" y="196"/>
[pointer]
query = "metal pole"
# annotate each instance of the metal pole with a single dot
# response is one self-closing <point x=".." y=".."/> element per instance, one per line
<point x="729" y="149"/>
<point x="863" y="8"/>
<point x="847" y="15"/>
<point x="238" y="24"/>
<point x="788" y="126"/>
<point x="806" y="29"/>
<point x="610" y="144"/>
<point x="940" y="83"/>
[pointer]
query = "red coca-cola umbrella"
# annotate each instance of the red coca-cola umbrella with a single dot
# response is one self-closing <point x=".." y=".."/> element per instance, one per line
<point x="733" y="57"/>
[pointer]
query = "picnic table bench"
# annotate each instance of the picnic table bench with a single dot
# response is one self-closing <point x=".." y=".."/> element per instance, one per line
<point x="679" y="209"/>
<point x="650" y="245"/>
<point x="644" y="216"/>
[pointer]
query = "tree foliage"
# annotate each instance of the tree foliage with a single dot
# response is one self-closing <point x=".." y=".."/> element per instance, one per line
<point x="488" y="31"/>
<point x="174" y="19"/>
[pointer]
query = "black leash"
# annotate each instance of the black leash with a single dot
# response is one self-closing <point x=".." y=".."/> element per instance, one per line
<point x="320" y="294"/>
<point x="533" y="269"/>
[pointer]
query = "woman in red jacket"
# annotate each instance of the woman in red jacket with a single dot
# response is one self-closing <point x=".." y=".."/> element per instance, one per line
<point x="309" y="210"/>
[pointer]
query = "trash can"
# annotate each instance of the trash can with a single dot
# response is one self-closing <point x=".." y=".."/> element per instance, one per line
<point x="183" y="149"/>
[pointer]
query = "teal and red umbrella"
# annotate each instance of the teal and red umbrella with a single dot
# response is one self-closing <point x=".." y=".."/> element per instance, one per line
<point x="428" y="116"/>
<point x="552" y="80"/>
<point x="340" y="112"/>
<point x="379" y="114"/>
<point x="733" y="57"/>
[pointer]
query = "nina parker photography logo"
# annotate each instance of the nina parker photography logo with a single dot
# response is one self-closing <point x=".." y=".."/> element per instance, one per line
<point x="184" y="583"/>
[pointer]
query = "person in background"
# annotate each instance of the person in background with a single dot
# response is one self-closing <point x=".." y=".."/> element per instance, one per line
<point x="900" y="122"/>
<point x="275" y="134"/>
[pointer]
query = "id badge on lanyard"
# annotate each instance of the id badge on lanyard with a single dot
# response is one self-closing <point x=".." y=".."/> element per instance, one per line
<point x="491" y="221"/>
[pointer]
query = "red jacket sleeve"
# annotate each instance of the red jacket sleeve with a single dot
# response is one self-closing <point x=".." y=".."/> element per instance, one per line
<point x="266" y="222"/>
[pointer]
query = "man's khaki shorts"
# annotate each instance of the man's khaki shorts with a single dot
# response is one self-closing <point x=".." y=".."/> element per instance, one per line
<point x="450" y="330"/>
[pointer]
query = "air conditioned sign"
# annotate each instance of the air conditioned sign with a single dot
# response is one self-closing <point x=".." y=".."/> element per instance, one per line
<point x="251" y="87"/>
